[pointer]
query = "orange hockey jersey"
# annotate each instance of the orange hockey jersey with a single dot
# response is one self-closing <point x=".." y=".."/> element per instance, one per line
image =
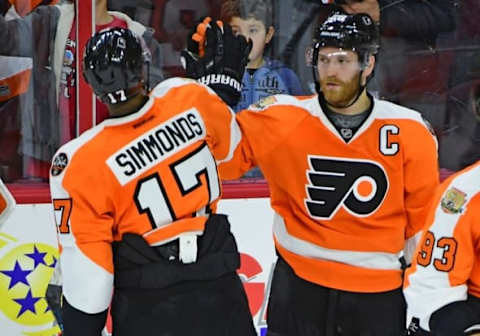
<point x="152" y="172"/>
<point x="343" y="211"/>
<point x="446" y="266"/>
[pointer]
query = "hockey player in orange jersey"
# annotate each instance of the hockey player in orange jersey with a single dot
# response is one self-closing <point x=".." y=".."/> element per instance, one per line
<point x="350" y="178"/>
<point x="135" y="197"/>
<point x="442" y="288"/>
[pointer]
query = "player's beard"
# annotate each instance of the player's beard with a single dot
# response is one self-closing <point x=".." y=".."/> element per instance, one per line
<point x="344" y="94"/>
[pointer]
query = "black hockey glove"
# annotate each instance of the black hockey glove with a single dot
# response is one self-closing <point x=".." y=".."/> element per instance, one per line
<point x="217" y="58"/>
<point x="457" y="318"/>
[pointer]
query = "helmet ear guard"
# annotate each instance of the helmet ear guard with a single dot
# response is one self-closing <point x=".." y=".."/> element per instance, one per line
<point x="113" y="64"/>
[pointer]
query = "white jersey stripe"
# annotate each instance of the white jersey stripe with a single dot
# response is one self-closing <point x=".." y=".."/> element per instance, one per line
<point x="235" y="138"/>
<point x="373" y="260"/>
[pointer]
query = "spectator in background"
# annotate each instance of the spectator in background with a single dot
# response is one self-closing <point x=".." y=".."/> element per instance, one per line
<point x="48" y="35"/>
<point x="409" y="70"/>
<point x="23" y="7"/>
<point x="263" y="76"/>
<point x="172" y="21"/>
<point x="472" y="154"/>
<point x="138" y="10"/>
<point x="461" y="144"/>
<point x="4" y="6"/>
<point x="15" y="73"/>
<point x="14" y="80"/>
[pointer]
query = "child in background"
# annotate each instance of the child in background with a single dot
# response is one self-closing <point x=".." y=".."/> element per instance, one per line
<point x="263" y="76"/>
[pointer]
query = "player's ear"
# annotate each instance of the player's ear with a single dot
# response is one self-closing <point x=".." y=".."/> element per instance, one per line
<point x="269" y="35"/>
<point x="369" y="68"/>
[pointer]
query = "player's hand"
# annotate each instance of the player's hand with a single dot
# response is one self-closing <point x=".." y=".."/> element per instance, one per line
<point x="217" y="57"/>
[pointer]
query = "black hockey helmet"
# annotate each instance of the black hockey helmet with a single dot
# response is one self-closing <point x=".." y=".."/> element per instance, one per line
<point x="113" y="64"/>
<point x="356" y="32"/>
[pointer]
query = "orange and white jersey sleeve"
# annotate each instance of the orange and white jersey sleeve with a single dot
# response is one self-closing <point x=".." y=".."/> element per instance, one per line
<point x="84" y="227"/>
<point x="7" y="203"/>
<point x="446" y="266"/>
<point x="271" y="120"/>
<point x="421" y="176"/>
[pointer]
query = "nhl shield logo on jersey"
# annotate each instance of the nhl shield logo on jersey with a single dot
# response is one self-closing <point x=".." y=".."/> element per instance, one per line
<point x="25" y="271"/>
<point x="263" y="103"/>
<point x="453" y="201"/>
<point x="59" y="164"/>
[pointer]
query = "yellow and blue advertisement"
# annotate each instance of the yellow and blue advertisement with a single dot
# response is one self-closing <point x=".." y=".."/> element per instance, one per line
<point x="28" y="256"/>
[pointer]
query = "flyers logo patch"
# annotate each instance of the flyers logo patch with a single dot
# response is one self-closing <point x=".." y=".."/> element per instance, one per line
<point x="357" y="185"/>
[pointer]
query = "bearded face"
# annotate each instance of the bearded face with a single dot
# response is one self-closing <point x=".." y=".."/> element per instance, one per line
<point x="339" y="92"/>
<point x="339" y="74"/>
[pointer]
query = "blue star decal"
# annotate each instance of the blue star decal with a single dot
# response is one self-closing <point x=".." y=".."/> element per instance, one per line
<point x="38" y="258"/>
<point x="17" y="275"/>
<point x="28" y="303"/>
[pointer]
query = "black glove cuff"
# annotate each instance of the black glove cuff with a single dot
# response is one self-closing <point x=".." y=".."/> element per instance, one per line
<point x="78" y="323"/>
<point x="226" y="87"/>
<point x="221" y="79"/>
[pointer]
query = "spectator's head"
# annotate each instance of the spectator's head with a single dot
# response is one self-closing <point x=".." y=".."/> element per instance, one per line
<point x="343" y="58"/>
<point x="252" y="19"/>
<point x="113" y="65"/>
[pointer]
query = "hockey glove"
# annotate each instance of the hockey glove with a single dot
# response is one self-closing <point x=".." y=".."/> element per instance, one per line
<point x="217" y="58"/>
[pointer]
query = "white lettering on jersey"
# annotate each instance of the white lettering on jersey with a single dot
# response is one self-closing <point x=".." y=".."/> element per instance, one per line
<point x="385" y="147"/>
<point x="156" y="145"/>
<point x="221" y="79"/>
